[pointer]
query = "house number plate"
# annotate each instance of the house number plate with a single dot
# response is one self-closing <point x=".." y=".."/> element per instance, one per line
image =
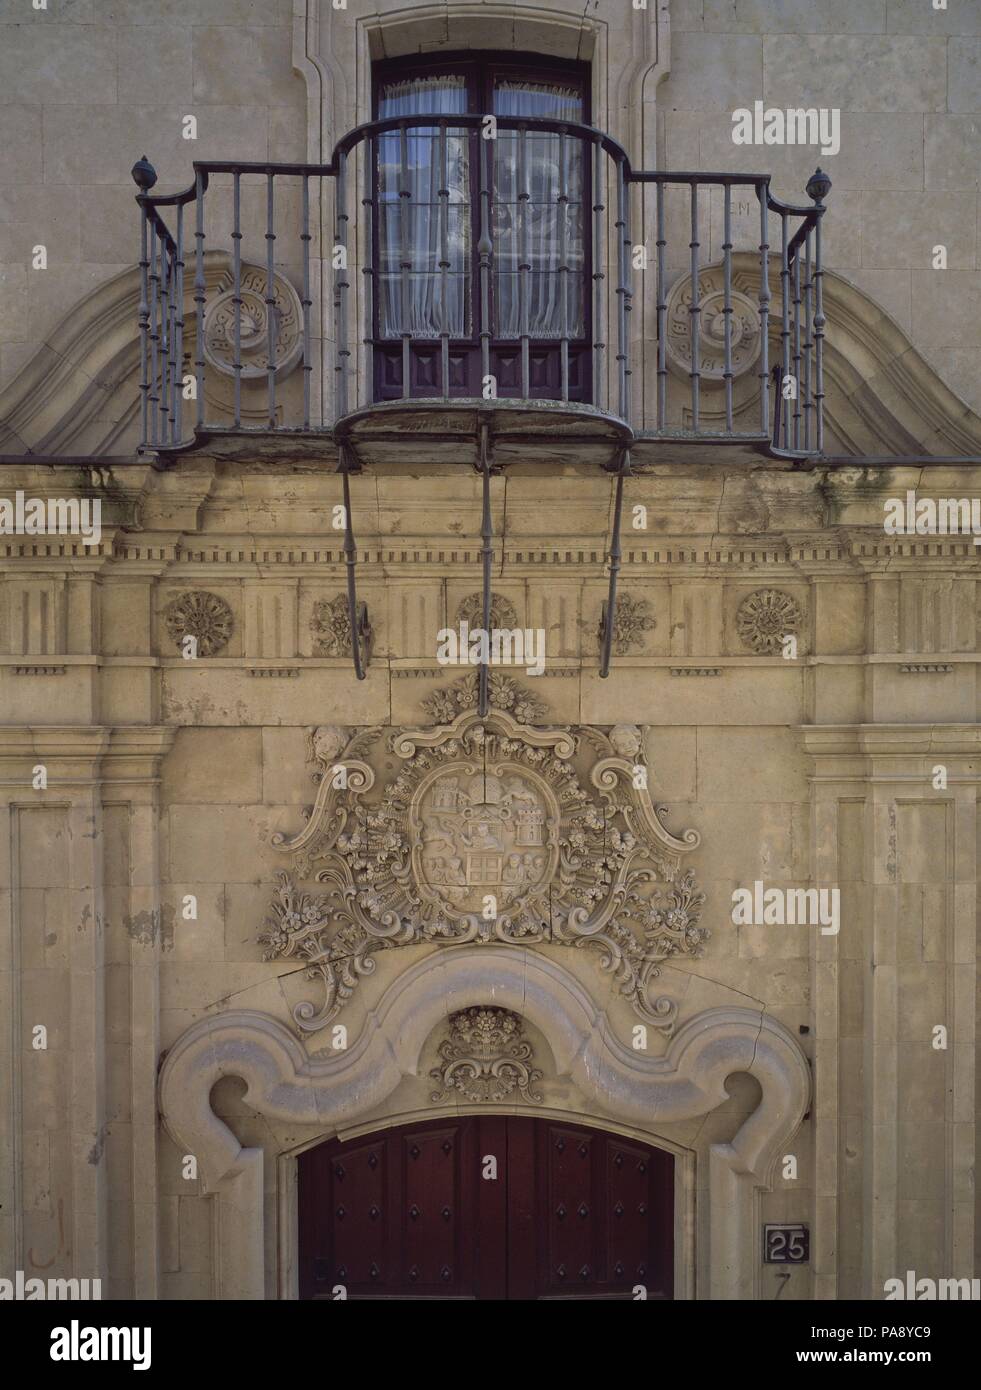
<point x="786" y="1245"/>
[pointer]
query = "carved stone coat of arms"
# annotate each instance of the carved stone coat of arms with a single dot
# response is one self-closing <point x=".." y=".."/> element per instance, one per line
<point x="484" y="830"/>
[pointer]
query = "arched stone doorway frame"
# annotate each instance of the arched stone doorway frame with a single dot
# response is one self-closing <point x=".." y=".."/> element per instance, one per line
<point x="628" y="1090"/>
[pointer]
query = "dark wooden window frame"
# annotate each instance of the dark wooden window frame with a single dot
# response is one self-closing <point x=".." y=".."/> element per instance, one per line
<point x="481" y="70"/>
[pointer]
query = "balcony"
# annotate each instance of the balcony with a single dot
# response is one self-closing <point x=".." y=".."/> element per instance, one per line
<point x="444" y="282"/>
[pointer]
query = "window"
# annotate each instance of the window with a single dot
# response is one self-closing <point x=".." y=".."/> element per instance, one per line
<point x="433" y="189"/>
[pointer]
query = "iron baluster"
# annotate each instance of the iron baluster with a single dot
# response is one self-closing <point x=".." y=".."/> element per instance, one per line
<point x="797" y="350"/>
<point x="695" y="312"/>
<point x="443" y="194"/>
<point x="179" y="329"/>
<point x="727" y="302"/>
<point x="341" y="284"/>
<point x="628" y="300"/>
<point x="808" y="341"/>
<point x="154" y="335"/>
<point x="237" y="291"/>
<point x="144" y="315"/>
<point x="763" y="193"/>
<point x="164" y="327"/>
<point x="405" y="193"/>
<point x="368" y="263"/>
<point x="784" y="329"/>
<point x="524" y="263"/>
<point x="600" y="334"/>
<point x="485" y="249"/>
<point x="818" y="188"/>
<point x="306" y="300"/>
<point x="619" y="225"/>
<point x="199" y="294"/>
<point x="169" y="412"/>
<point x="662" y="304"/>
<point x="144" y="176"/>
<point x="270" y="303"/>
<point x="563" y="206"/>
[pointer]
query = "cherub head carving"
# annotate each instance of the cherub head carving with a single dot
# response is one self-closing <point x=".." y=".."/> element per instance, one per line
<point x="329" y="741"/>
<point x="627" y="740"/>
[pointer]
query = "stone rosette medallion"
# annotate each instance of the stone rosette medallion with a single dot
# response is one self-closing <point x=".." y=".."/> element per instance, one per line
<point x="253" y="332"/>
<point x="746" y="338"/>
<point x="487" y="831"/>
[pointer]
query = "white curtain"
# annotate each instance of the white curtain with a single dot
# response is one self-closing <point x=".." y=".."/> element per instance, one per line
<point x="418" y="224"/>
<point x="536" y="223"/>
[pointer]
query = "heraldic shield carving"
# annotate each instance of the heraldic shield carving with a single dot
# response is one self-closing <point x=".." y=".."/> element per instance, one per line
<point x="484" y="830"/>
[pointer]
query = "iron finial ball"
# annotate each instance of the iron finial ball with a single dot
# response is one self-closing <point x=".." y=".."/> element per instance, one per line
<point x="144" y="174"/>
<point x="818" y="186"/>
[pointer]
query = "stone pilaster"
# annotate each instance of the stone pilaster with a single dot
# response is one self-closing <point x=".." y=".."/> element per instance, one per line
<point x="906" y="968"/>
<point x="57" y="1118"/>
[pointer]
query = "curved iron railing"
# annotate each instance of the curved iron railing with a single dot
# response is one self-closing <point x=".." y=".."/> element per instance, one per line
<point x="315" y="230"/>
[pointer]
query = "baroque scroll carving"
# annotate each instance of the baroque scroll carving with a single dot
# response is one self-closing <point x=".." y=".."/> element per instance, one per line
<point x="488" y="831"/>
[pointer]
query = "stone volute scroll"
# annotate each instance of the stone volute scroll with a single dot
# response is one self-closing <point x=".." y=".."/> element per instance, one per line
<point x="488" y="832"/>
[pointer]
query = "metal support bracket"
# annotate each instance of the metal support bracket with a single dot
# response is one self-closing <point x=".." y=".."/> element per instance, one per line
<point x="608" y="619"/>
<point x="357" y="612"/>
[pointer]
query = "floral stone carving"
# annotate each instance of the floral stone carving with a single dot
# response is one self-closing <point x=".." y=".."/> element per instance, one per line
<point x="632" y="619"/>
<point x="471" y="611"/>
<point x="486" y="1058"/>
<point x="765" y="618"/>
<point x="503" y="693"/>
<point x="207" y="617"/>
<point x="330" y="623"/>
<point x="488" y="831"/>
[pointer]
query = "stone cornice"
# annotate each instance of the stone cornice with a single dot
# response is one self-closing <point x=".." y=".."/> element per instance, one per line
<point x="177" y="557"/>
<point x="892" y="753"/>
<point x="82" y="754"/>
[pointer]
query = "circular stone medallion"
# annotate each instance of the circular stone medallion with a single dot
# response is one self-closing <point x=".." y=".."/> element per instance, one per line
<point x="219" y="327"/>
<point x="746" y="339"/>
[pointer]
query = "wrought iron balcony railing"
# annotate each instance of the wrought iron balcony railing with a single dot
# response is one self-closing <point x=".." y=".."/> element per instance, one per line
<point x="427" y="263"/>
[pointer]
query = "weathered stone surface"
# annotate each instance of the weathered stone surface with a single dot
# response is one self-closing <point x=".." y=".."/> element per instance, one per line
<point x="136" y="885"/>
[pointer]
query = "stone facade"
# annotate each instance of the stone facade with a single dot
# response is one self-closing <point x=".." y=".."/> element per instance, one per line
<point x="152" y="795"/>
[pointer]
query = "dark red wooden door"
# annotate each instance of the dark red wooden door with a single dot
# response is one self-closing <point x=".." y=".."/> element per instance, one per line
<point x="571" y="1213"/>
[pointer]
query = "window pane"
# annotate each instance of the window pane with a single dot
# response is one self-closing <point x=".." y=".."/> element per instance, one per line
<point x="422" y="168"/>
<point x="543" y="237"/>
<point x="423" y="236"/>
